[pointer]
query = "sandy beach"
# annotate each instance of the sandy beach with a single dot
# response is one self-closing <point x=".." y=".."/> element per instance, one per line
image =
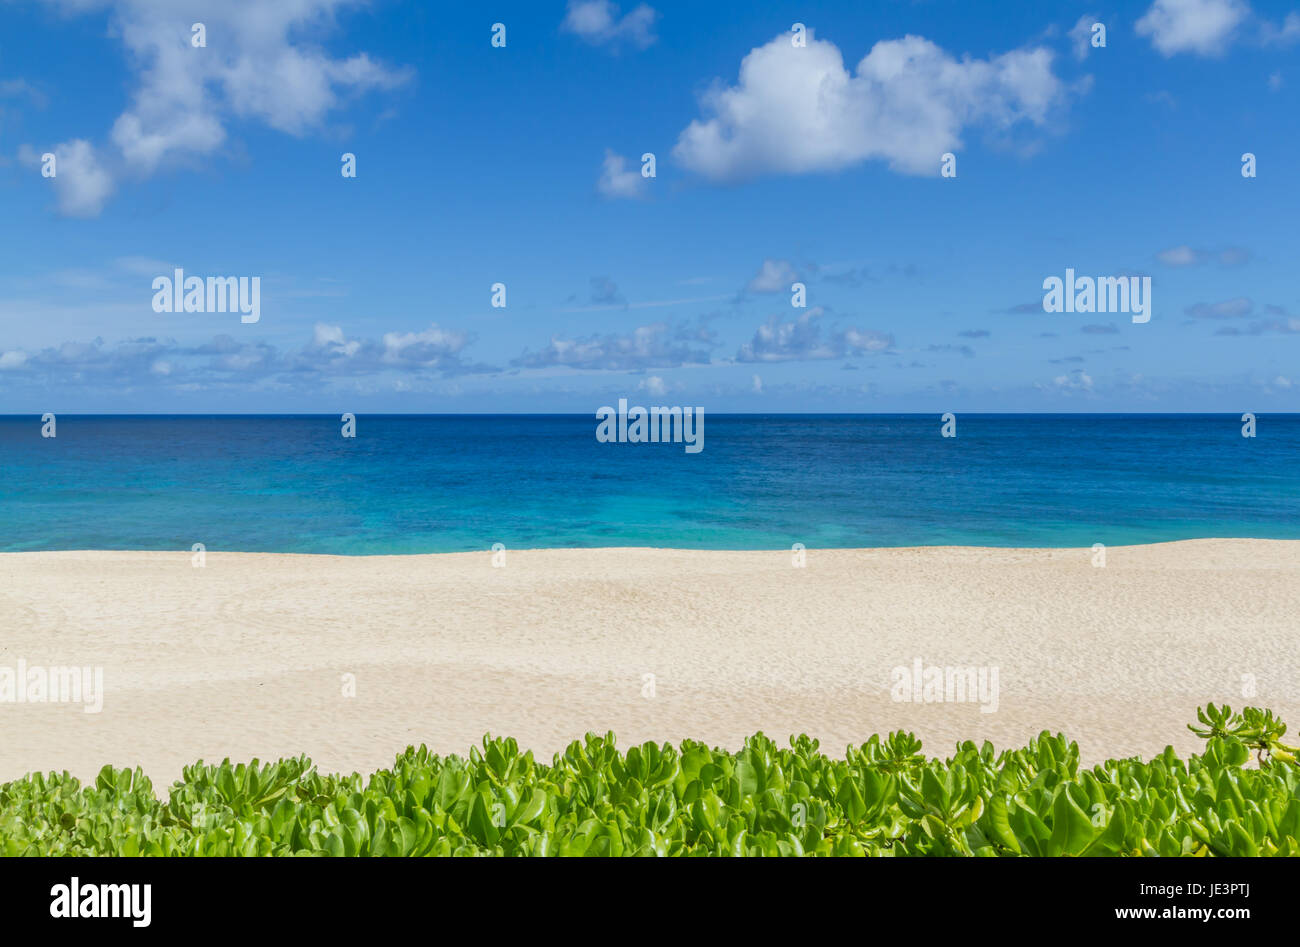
<point x="249" y="656"/>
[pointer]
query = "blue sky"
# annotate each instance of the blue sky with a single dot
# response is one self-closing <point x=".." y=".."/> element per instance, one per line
<point x="520" y="165"/>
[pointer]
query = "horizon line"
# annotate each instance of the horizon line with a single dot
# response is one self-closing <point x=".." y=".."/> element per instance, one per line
<point x="593" y="414"/>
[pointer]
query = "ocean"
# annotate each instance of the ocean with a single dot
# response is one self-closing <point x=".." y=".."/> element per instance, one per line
<point x="452" y="483"/>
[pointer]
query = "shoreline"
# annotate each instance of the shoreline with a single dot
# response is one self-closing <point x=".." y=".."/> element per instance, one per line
<point x="173" y="551"/>
<point x="247" y="656"/>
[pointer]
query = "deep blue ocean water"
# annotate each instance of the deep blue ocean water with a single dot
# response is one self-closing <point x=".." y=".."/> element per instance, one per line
<point x="410" y="484"/>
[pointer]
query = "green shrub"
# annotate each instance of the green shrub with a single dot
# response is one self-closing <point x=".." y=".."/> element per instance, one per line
<point x="1239" y="797"/>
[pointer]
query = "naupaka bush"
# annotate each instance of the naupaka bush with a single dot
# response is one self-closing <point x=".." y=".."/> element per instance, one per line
<point x="1238" y="797"/>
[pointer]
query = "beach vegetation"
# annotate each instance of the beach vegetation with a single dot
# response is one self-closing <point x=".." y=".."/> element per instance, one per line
<point x="1239" y="796"/>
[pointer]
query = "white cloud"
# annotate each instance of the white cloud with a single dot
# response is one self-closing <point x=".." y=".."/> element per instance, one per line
<point x="658" y="345"/>
<point x="616" y="181"/>
<point x="1204" y="27"/>
<point x="294" y="91"/>
<point x="1189" y="256"/>
<point x="801" y="340"/>
<point x="1081" y="36"/>
<point x="1077" y="380"/>
<point x="433" y="347"/>
<point x="332" y="338"/>
<point x="323" y="335"/>
<point x="81" y="184"/>
<point x="774" y="276"/>
<point x="859" y="341"/>
<point x="597" y="22"/>
<point x="758" y="385"/>
<point x="796" y="110"/>
<point x="1180" y="256"/>
<point x="251" y="69"/>
<point x="653" y="385"/>
<point x="225" y="361"/>
<point x="1287" y="33"/>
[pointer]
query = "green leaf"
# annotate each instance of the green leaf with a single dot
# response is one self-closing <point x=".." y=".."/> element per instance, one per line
<point x="998" y="826"/>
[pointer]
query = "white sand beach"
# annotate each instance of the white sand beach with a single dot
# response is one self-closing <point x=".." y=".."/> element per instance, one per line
<point x="246" y="657"/>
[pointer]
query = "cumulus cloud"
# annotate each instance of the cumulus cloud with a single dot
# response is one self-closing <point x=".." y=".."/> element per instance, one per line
<point x="258" y="65"/>
<point x="774" y="276"/>
<point x="127" y="361"/>
<point x="617" y="180"/>
<point x="434" y="348"/>
<point x="598" y="23"/>
<point x="801" y="340"/>
<point x="653" y="346"/>
<point x="225" y="360"/>
<point x="797" y="110"/>
<point x="1203" y="27"/>
<point x="330" y="339"/>
<point x="81" y="183"/>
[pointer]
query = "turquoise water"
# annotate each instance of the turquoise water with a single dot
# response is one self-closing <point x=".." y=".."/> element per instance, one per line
<point x="410" y="484"/>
